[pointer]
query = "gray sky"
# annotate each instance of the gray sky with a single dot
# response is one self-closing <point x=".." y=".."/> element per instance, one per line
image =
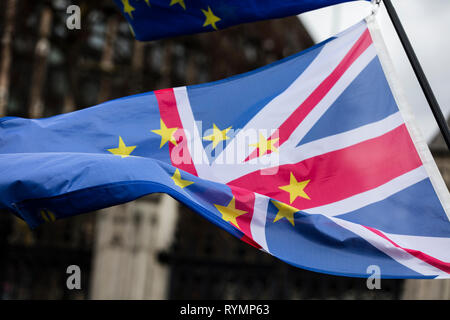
<point x="427" y="24"/>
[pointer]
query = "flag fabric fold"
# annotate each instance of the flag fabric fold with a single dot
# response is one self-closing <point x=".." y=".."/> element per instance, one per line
<point x="156" y="19"/>
<point x="313" y="159"/>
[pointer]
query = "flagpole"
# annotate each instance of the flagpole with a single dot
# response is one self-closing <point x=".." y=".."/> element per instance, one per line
<point x="423" y="81"/>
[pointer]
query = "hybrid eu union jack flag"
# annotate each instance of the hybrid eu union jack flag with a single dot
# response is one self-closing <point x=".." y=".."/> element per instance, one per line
<point x="313" y="159"/>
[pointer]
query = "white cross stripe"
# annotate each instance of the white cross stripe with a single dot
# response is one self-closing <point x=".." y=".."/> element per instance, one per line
<point x="282" y="106"/>
<point x="374" y="195"/>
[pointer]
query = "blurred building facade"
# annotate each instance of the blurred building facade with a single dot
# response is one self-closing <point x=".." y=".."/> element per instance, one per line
<point x="152" y="248"/>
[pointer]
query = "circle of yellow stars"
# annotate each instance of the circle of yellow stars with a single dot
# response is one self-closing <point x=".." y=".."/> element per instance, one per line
<point x="229" y="213"/>
<point x="210" y="18"/>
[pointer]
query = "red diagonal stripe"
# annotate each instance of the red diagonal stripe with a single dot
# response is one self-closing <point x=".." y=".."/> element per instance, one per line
<point x="439" y="264"/>
<point x="179" y="154"/>
<point x="342" y="173"/>
<point x="245" y="200"/>
<point x="294" y="120"/>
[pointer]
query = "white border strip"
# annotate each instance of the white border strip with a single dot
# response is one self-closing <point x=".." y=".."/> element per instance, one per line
<point x="421" y="146"/>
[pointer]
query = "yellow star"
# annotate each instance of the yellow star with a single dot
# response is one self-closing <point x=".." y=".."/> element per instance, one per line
<point x="180" y="182"/>
<point x="296" y="189"/>
<point x="122" y="150"/>
<point x="230" y="213"/>
<point x="47" y="215"/>
<point x="127" y="8"/>
<point x="217" y="136"/>
<point x="166" y="134"/>
<point x="285" y="211"/>
<point x="180" y="2"/>
<point x="148" y="3"/>
<point x="211" y="19"/>
<point x="265" y="145"/>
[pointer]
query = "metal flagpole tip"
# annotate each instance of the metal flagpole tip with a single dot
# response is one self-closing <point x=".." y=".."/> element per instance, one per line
<point x="375" y="6"/>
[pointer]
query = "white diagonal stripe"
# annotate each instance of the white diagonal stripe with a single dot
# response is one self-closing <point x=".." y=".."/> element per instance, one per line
<point x="319" y="110"/>
<point x="318" y="147"/>
<point x="282" y="106"/>
<point x="374" y="195"/>
<point x="228" y="172"/>
<point x="436" y="247"/>
<point x="194" y="143"/>
<point x="385" y="246"/>
<point x="342" y="140"/>
<point x="258" y="223"/>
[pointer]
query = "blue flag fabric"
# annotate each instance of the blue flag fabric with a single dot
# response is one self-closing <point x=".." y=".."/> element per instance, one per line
<point x="156" y="19"/>
<point x="309" y="159"/>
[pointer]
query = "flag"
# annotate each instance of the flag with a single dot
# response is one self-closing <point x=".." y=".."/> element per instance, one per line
<point x="314" y="159"/>
<point x="156" y="19"/>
